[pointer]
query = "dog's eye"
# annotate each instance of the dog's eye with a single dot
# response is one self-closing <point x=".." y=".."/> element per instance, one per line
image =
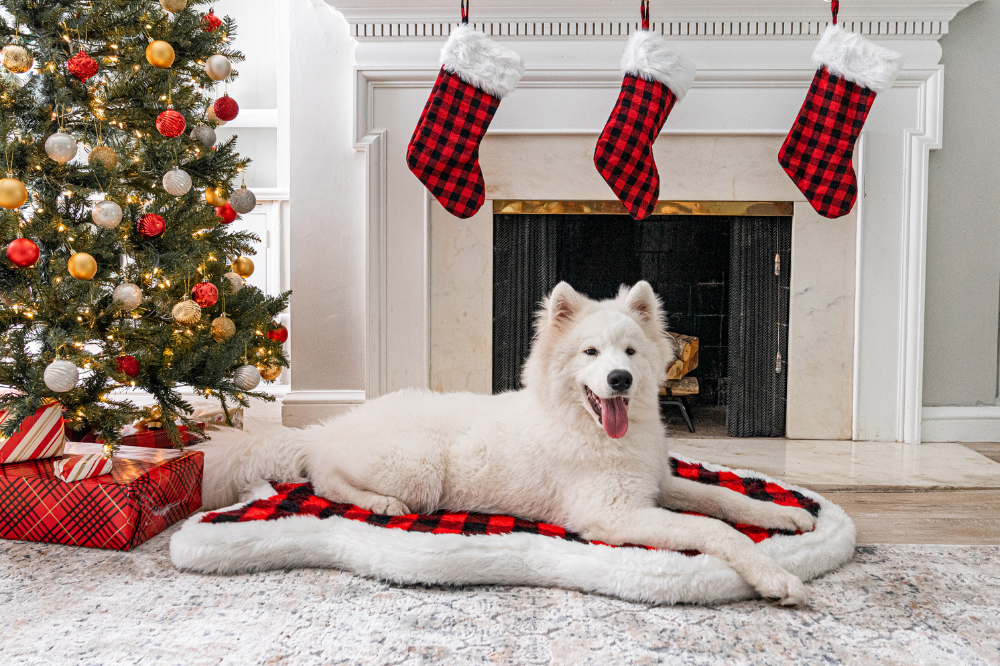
<point x="630" y="351"/>
<point x="590" y="352"/>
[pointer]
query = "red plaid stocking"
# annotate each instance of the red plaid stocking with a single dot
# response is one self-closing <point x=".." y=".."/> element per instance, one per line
<point x="476" y="73"/>
<point x="818" y="151"/>
<point x="655" y="77"/>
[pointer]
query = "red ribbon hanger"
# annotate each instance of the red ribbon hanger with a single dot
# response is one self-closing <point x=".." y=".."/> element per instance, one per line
<point x="465" y="12"/>
<point x="644" y="11"/>
<point x="835" y="9"/>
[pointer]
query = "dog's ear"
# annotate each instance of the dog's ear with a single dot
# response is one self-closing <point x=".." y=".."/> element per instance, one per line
<point x="643" y="305"/>
<point x="563" y="304"/>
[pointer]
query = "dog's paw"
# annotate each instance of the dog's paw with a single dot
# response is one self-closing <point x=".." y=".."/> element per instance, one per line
<point x="789" y="519"/>
<point x="388" y="506"/>
<point x="783" y="588"/>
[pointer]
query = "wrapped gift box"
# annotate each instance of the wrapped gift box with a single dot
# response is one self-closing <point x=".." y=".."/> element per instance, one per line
<point x="147" y="491"/>
<point x="160" y="439"/>
<point x="41" y="435"/>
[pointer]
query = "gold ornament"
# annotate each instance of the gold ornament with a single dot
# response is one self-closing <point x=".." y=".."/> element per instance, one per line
<point x="223" y="328"/>
<point x="243" y="267"/>
<point x="13" y="193"/>
<point x="105" y="156"/>
<point x="187" y="312"/>
<point x="269" y="371"/>
<point x="212" y="118"/>
<point x="215" y="197"/>
<point x="160" y="54"/>
<point x="82" y="266"/>
<point x="173" y="6"/>
<point x="16" y="58"/>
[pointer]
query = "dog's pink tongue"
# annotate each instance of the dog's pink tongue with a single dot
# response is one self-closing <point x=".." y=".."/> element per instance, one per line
<point x="614" y="417"/>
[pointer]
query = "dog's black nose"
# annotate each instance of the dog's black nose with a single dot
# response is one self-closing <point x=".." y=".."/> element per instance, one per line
<point x="620" y="380"/>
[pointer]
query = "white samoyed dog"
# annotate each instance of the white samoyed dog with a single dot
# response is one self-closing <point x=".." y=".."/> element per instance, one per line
<point x="581" y="446"/>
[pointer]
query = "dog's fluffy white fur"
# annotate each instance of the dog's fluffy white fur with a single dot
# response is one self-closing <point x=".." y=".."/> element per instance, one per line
<point x="482" y="62"/>
<point x="542" y="453"/>
<point x="852" y="57"/>
<point x="649" y="56"/>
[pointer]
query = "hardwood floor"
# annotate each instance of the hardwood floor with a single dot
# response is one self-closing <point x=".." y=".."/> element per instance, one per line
<point x="989" y="449"/>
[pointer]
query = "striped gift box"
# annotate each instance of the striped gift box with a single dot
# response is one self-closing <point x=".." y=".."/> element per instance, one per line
<point x="78" y="468"/>
<point x="39" y="436"/>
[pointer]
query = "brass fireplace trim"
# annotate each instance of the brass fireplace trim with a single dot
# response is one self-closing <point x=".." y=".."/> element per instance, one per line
<point x="615" y="207"/>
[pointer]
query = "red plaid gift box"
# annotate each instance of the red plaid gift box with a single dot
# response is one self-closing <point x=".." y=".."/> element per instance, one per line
<point x="39" y="436"/>
<point x="147" y="491"/>
<point x="160" y="438"/>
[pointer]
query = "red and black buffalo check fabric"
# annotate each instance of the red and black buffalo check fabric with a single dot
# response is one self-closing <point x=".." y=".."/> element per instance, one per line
<point x="624" y="154"/>
<point x="297" y="499"/>
<point x="444" y="150"/>
<point x="818" y="150"/>
<point x="119" y="511"/>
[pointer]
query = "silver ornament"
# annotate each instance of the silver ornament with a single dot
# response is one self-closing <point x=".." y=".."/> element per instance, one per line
<point x="204" y="135"/>
<point x="235" y="280"/>
<point x="127" y="295"/>
<point x="218" y="68"/>
<point x="60" y="376"/>
<point x="61" y="147"/>
<point x="177" y="182"/>
<point x="246" y="378"/>
<point x="186" y="312"/>
<point x="107" y="214"/>
<point x="173" y="6"/>
<point x="242" y="200"/>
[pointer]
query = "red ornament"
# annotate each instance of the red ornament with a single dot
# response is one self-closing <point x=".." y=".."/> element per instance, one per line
<point x="226" y="108"/>
<point x="279" y="334"/>
<point x="170" y="123"/>
<point x="151" y="225"/>
<point x="227" y="213"/>
<point x="22" y="252"/>
<point x="82" y="66"/>
<point x="205" y="294"/>
<point x="210" y="22"/>
<point x="127" y="365"/>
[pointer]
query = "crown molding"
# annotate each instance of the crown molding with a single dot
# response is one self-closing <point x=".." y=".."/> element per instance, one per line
<point x="595" y="19"/>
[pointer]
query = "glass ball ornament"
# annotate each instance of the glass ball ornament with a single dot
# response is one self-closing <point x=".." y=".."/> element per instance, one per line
<point x="127" y="365"/>
<point x="246" y="378"/>
<point x="205" y="294"/>
<point x="223" y="328"/>
<point x="13" y="193"/>
<point x="103" y="155"/>
<point x="215" y="197"/>
<point x="60" y="376"/>
<point x="173" y="6"/>
<point x="269" y="371"/>
<point x="82" y="266"/>
<point x="243" y="267"/>
<point x="278" y="334"/>
<point x="151" y="225"/>
<point x="226" y="108"/>
<point x="127" y="295"/>
<point x="186" y="312"/>
<point x="234" y="280"/>
<point x="160" y="54"/>
<point x="177" y="182"/>
<point x="218" y="68"/>
<point x="243" y="200"/>
<point x="107" y="214"/>
<point x="22" y="252"/>
<point x="205" y="135"/>
<point x="61" y="147"/>
<point x="170" y="123"/>
<point x="212" y="118"/>
<point x="226" y="213"/>
<point x="16" y="58"/>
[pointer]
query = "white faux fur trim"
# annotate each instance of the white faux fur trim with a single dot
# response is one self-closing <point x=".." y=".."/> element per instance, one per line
<point x="857" y="59"/>
<point x="481" y="62"/>
<point x="650" y="56"/>
<point x="513" y="559"/>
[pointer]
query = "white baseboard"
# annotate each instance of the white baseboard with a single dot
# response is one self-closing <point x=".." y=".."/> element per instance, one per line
<point x="341" y="397"/>
<point x="302" y="408"/>
<point x="961" y="424"/>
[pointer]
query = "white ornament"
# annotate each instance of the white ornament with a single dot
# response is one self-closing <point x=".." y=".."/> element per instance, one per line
<point x="218" y="68"/>
<point x="246" y="378"/>
<point x="204" y="135"/>
<point x="243" y="200"/>
<point x="107" y="214"/>
<point x="61" y="376"/>
<point x="61" y="147"/>
<point x="235" y="280"/>
<point x="127" y="295"/>
<point x="187" y="312"/>
<point x="177" y="182"/>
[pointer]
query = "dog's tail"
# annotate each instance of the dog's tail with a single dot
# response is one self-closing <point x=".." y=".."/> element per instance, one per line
<point x="237" y="461"/>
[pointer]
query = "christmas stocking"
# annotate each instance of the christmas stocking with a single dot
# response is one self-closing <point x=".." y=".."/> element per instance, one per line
<point x="819" y="148"/>
<point x="476" y="73"/>
<point x="655" y="77"/>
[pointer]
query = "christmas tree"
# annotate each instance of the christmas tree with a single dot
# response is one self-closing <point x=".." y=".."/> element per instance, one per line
<point x="120" y="269"/>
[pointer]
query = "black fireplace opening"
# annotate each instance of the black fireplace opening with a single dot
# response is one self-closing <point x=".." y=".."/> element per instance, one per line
<point x="721" y="278"/>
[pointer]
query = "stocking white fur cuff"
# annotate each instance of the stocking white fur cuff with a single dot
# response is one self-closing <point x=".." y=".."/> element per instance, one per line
<point x="481" y="62"/>
<point x="851" y="56"/>
<point x="649" y="56"/>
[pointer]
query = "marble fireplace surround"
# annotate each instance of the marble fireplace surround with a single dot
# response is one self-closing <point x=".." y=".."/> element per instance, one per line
<point x="858" y="282"/>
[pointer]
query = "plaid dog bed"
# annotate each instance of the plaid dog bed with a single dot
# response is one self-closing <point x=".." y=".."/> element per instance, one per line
<point x="288" y="526"/>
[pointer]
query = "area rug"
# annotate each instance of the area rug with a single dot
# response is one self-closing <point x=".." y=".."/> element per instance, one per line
<point x="287" y="526"/>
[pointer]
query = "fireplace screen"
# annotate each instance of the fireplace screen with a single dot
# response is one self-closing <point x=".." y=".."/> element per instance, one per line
<point x="722" y="278"/>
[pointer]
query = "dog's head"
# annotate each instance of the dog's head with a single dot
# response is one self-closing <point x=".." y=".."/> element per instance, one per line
<point x="600" y="357"/>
